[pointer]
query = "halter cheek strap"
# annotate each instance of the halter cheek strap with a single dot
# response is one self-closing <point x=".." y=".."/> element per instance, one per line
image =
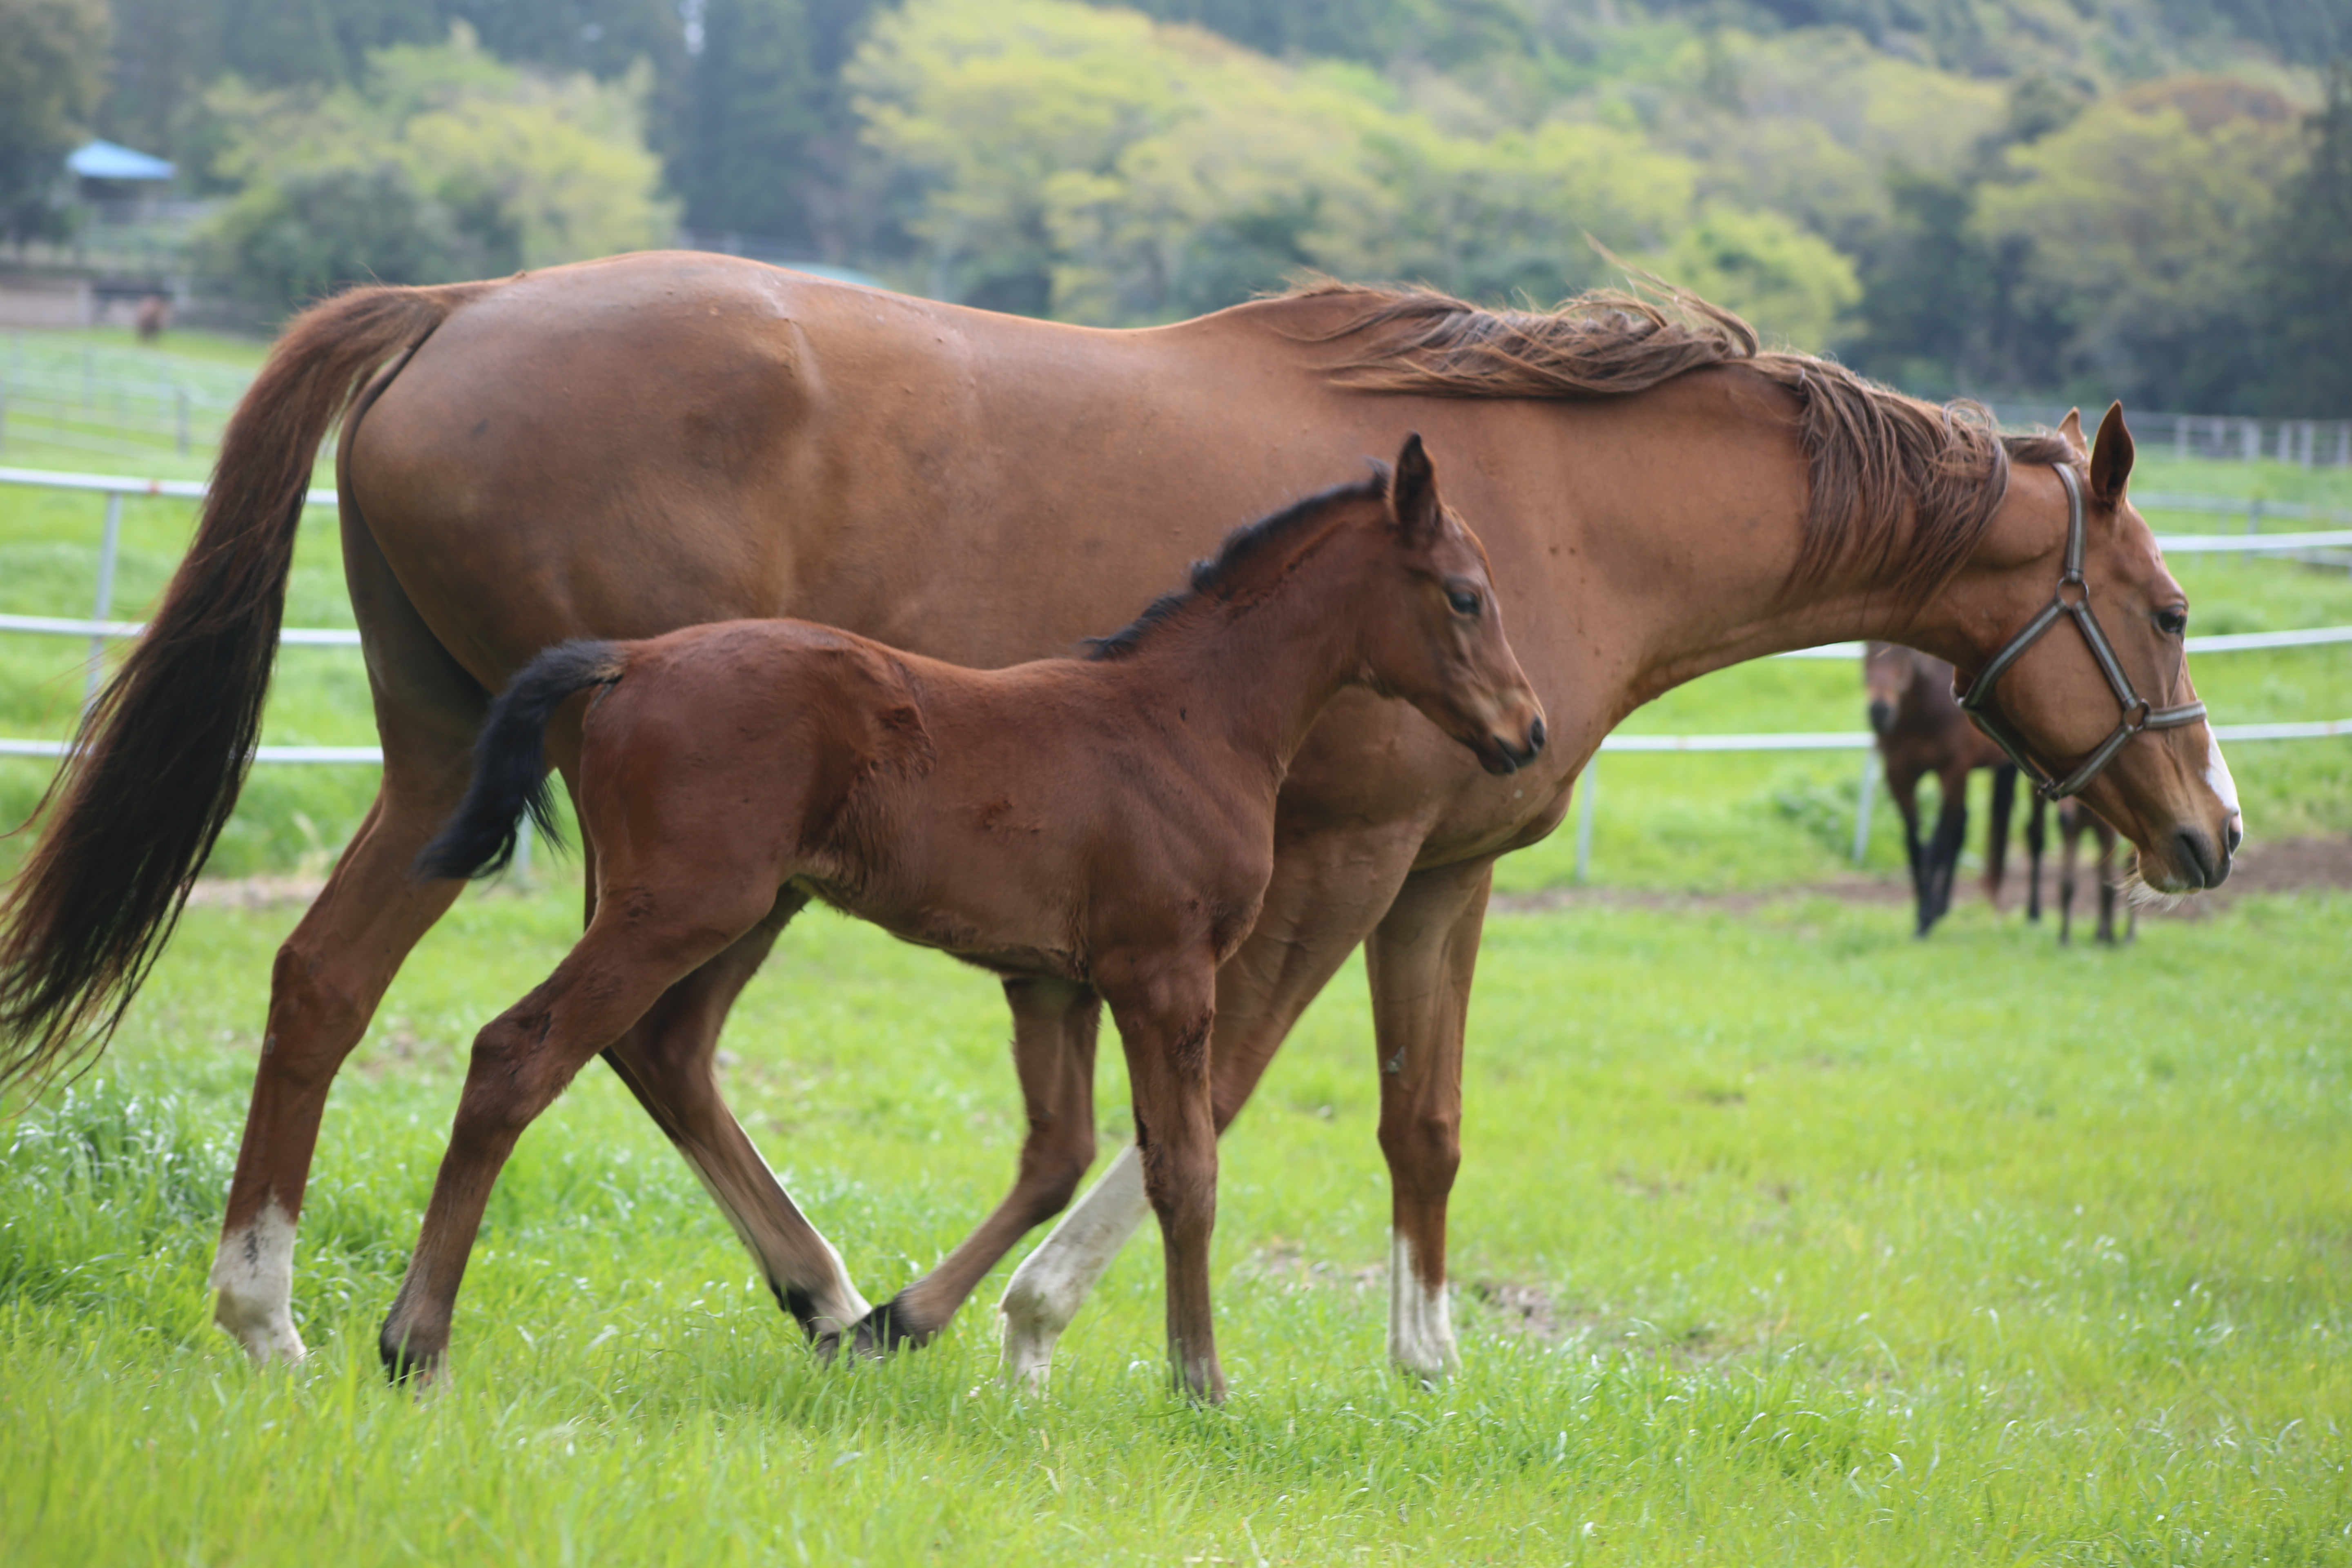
<point x="2072" y="601"/>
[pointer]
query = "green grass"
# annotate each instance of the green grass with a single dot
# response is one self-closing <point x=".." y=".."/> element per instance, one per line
<point x="1866" y="1251"/>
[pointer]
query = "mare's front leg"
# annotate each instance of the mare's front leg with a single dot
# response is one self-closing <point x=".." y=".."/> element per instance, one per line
<point x="667" y="1062"/>
<point x="522" y="1059"/>
<point x="1165" y="1006"/>
<point x="1054" y="1027"/>
<point x="1421" y="961"/>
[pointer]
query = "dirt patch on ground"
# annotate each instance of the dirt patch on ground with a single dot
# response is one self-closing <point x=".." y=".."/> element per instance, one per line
<point x="2279" y="866"/>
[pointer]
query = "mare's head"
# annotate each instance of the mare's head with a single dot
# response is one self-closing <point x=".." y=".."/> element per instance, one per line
<point x="2163" y="784"/>
<point x="1433" y="635"/>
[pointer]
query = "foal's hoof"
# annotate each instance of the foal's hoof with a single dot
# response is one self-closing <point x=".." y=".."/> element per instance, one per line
<point x="407" y="1365"/>
<point x="888" y="1328"/>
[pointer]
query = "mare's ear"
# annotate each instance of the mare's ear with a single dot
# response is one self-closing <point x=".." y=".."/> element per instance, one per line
<point x="2072" y="429"/>
<point x="1412" y="493"/>
<point x="2110" y="457"/>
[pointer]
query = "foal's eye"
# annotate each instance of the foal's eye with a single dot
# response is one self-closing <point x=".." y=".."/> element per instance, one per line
<point x="2172" y="622"/>
<point x="1463" y="601"/>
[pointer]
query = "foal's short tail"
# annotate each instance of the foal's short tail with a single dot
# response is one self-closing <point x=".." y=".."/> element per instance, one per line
<point x="510" y="774"/>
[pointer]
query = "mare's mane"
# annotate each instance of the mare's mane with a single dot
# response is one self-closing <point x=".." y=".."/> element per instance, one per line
<point x="1879" y="459"/>
<point x="1238" y="562"/>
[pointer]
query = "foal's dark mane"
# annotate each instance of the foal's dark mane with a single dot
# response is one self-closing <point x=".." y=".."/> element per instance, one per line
<point x="1245" y="549"/>
<point x="1900" y="487"/>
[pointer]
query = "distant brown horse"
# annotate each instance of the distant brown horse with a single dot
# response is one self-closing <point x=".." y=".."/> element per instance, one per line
<point x="1092" y="830"/>
<point x="623" y="447"/>
<point x="1921" y="731"/>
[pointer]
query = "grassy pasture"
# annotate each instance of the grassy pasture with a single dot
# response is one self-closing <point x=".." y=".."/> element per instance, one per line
<point x="1856" y="1250"/>
<point x="1865" y="1252"/>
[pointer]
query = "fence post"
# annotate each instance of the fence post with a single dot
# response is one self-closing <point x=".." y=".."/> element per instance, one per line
<point x="2344" y="445"/>
<point x="2180" y="435"/>
<point x="2250" y="440"/>
<point x="182" y="395"/>
<point x="522" y="871"/>
<point x="106" y="549"/>
<point x="1587" y="786"/>
<point x="1862" y="806"/>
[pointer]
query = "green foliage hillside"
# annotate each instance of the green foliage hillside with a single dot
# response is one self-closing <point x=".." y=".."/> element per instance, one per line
<point x="2086" y="197"/>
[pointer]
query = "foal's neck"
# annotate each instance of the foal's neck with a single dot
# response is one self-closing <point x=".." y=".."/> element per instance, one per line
<point x="1255" y="674"/>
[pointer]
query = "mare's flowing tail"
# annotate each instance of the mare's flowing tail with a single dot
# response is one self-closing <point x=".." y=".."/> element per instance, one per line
<point x="160" y="757"/>
<point x="510" y="774"/>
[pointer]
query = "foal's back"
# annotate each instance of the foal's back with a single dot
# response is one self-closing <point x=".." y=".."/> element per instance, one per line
<point x="1007" y="816"/>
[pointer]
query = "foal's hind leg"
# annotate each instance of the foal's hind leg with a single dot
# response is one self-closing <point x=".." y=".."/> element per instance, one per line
<point x="1053" y="1025"/>
<point x="666" y="1061"/>
<point x="522" y="1059"/>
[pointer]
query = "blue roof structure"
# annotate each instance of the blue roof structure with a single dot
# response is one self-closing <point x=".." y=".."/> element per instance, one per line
<point x="106" y="161"/>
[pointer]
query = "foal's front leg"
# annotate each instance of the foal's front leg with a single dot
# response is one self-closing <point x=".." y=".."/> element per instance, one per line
<point x="1053" y="1025"/>
<point x="1165" y="1013"/>
<point x="522" y="1059"/>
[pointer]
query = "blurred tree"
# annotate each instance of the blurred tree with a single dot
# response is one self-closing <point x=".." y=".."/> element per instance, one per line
<point x="757" y="103"/>
<point x="1791" y="285"/>
<point x="52" y="55"/>
<point x="448" y="163"/>
<point x="2309" y="270"/>
<point x="2140" y="224"/>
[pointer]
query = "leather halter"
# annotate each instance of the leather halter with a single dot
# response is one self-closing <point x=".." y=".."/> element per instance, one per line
<point x="2073" y="600"/>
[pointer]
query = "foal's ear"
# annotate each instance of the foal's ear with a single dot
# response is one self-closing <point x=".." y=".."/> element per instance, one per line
<point x="2110" y="457"/>
<point x="2072" y="429"/>
<point x="1412" y="493"/>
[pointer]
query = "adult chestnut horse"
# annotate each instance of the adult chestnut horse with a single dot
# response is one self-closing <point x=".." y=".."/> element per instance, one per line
<point x="623" y="447"/>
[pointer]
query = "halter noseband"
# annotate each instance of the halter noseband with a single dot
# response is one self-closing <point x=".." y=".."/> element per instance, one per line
<point x="2073" y="599"/>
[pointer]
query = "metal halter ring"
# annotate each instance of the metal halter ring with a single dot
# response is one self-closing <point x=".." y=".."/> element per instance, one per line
<point x="2138" y="713"/>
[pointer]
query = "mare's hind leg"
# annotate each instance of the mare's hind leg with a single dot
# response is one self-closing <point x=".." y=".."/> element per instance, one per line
<point x="666" y="1061"/>
<point x="522" y="1059"/>
<point x="333" y="969"/>
<point x="1053" y="1026"/>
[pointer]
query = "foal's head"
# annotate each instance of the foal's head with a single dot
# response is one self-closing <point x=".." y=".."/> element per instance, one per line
<point x="1432" y="633"/>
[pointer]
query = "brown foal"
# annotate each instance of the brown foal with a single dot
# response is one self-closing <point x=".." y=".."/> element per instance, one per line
<point x="1093" y="829"/>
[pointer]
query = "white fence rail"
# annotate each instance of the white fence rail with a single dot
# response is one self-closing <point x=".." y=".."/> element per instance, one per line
<point x="101" y="630"/>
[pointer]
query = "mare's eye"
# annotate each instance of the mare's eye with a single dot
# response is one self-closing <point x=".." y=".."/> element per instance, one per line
<point x="1463" y="601"/>
<point x="2172" y="622"/>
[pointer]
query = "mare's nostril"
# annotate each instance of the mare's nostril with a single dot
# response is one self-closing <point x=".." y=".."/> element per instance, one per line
<point x="1535" y="737"/>
<point x="2234" y="832"/>
<point x="2198" y="851"/>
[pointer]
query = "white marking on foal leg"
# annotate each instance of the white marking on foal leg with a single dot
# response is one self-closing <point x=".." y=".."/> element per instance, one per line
<point x="253" y="1284"/>
<point x="1045" y="1292"/>
<point x="1421" y="1318"/>
<point x="835" y="1303"/>
<point x="2218" y="779"/>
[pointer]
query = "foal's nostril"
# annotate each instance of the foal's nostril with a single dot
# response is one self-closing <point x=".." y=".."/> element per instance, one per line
<point x="2198" y="851"/>
<point x="1882" y="714"/>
